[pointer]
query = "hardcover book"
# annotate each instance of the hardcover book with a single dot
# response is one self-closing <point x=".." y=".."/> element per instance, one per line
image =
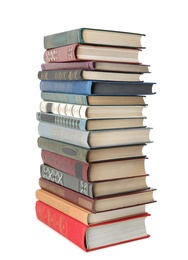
<point x="91" y="154"/>
<point x="81" y="52"/>
<point x="90" y="124"/>
<point x="93" y="36"/>
<point x="95" y="236"/>
<point x="93" y="189"/>
<point x="92" y="100"/>
<point x="86" y="112"/>
<point x="98" y="171"/>
<point x="88" y="75"/>
<point x="131" y="202"/>
<point x="94" y="139"/>
<point x="87" y="87"/>
<point x="97" y="65"/>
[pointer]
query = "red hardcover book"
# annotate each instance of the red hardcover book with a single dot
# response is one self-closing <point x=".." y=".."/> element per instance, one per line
<point x="93" y="237"/>
<point x="80" y="52"/>
<point x="98" y="171"/>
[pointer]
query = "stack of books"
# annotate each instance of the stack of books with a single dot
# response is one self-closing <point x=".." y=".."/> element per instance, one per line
<point x="91" y="124"/>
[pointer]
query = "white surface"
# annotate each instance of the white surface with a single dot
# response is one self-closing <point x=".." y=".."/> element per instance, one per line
<point x="23" y="25"/>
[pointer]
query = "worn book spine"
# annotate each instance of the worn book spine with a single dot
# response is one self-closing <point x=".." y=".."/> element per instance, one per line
<point x="65" y="121"/>
<point x="86" y="65"/>
<point x="70" y="87"/>
<point x="64" y="134"/>
<point x="64" y="206"/>
<point x="65" y="98"/>
<point x="64" y="38"/>
<point x="61" y="223"/>
<point x="66" y="180"/>
<point x="60" y="75"/>
<point x="61" y="54"/>
<point x="68" y="165"/>
<point x="67" y="149"/>
<point x="67" y="194"/>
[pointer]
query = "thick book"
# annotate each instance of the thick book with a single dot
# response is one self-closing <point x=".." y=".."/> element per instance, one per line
<point x="88" y="87"/>
<point x="92" y="237"/>
<point x="129" y="203"/>
<point x="81" y="52"/>
<point x="93" y="36"/>
<point x="90" y="124"/>
<point x="81" y="111"/>
<point x="93" y="100"/>
<point x="91" y="154"/>
<point x="98" y="171"/>
<point x="88" y="75"/>
<point x="96" y="138"/>
<point x="93" y="189"/>
<point x="97" y="65"/>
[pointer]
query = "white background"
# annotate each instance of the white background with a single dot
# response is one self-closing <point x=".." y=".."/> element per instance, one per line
<point x="23" y="25"/>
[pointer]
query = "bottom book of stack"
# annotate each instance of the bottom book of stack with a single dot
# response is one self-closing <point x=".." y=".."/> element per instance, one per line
<point x="93" y="223"/>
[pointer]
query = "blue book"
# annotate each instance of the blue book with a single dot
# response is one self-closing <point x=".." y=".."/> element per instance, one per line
<point x="97" y="87"/>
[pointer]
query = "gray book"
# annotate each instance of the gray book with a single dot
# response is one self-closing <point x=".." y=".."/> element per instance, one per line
<point x="93" y="189"/>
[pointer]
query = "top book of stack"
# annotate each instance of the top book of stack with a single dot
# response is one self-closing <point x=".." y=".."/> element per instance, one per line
<point x="94" y="37"/>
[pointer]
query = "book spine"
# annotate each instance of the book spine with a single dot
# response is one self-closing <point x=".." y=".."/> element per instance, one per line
<point x="64" y="38"/>
<point x="61" y="223"/>
<point x="61" y="54"/>
<point x="70" y="87"/>
<point x="86" y="65"/>
<point x="65" y="149"/>
<point x="65" y="121"/>
<point x="64" y="109"/>
<point x="66" y="180"/>
<point x="60" y="75"/>
<point x="70" y="166"/>
<point x="64" y="206"/>
<point x="60" y="133"/>
<point x="68" y="194"/>
<point x="65" y="98"/>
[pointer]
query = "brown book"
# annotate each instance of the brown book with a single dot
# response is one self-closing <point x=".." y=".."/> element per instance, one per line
<point x="99" y="204"/>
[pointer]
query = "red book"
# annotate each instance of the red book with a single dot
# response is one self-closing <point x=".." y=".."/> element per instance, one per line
<point x="98" y="171"/>
<point x="79" y="52"/>
<point x="93" y="237"/>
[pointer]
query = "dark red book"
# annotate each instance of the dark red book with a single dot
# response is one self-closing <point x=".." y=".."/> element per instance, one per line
<point x="98" y="171"/>
<point x="130" y="199"/>
<point x="92" y="237"/>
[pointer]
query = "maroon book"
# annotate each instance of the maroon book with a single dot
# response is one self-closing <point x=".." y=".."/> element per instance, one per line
<point x="129" y="199"/>
<point x="98" y="171"/>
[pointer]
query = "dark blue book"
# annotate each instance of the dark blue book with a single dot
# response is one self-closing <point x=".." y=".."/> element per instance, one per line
<point x="97" y="87"/>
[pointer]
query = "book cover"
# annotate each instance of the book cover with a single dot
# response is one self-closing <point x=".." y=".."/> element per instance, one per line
<point x="93" y="36"/>
<point x="87" y="87"/>
<point x="82" y="235"/>
<point x="136" y="199"/>
<point x="98" y="171"/>
<point x="93" y="189"/>
<point x="90" y="154"/>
